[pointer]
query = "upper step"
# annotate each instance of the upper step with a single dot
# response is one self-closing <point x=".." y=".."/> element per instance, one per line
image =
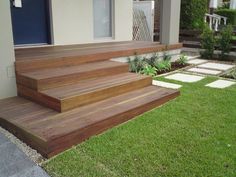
<point x="56" y="77"/>
<point x="87" y="91"/>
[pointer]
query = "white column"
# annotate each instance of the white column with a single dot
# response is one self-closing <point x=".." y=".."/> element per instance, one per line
<point x="233" y="4"/>
<point x="214" y="4"/>
<point x="7" y="57"/>
<point x="170" y="21"/>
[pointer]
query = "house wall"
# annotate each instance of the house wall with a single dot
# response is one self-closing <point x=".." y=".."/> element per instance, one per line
<point x="72" y="21"/>
<point x="7" y="58"/>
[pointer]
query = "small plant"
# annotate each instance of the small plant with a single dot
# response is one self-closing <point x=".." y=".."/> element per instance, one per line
<point x="151" y="61"/>
<point x="207" y="43"/>
<point x="136" y="65"/>
<point x="182" y="60"/>
<point x="163" y="65"/>
<point x="149" y="70"/>
<point x="224" y="41"/>
<point x="166" y="57"/>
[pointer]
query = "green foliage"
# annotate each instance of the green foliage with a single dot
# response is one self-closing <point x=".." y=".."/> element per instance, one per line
<point x="149" y="70"/>
<point x="151" y="61"/>
<point x="192" y="13"/>
<point x="224" y="41"/>
<point x="229" y="13"/>
<point x="163" y="65"/>
<point x="136" y="65"/>
<point x="166" y="57"/>
<point x="182" y="60"/>
<point x="207" y="43"/>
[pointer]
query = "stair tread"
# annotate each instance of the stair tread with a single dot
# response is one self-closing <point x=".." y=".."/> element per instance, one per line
<point x="68" y="70"/>
<point x="82" y="117"/>
<point x="91" y="85"/>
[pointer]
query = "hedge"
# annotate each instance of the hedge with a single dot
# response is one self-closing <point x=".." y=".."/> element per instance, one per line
<point x="229" y="13"/>
<point x="192" y="13"/>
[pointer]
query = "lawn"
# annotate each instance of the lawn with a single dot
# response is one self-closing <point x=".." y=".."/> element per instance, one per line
<point x="194" y="135"/>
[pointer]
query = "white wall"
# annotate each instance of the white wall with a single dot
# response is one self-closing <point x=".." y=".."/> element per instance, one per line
<point x="7" y="57"/>
<point x="72" y="21"/>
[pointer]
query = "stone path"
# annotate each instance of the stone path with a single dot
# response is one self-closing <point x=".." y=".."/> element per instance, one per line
<point x="196" y="61"/>
<point x="185" y="77"/>
<point x="216" y="66"/>
<point x="14" y="163"/>
<point x="166" y="84"/>
<point x="221" y="84"/>
<point x="204" y="71"/>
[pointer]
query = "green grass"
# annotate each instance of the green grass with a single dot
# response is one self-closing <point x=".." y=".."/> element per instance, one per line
<point x="194" y="135"/>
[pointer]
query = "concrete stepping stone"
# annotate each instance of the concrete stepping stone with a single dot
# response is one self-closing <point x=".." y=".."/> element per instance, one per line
<point x="166" y="84"/>
<point x="204" y="71"/>
<point x="221" y="84"/>
<point x="217" y="66"/>
<point x="196" y="61"/>
<point x="185" y="77"/>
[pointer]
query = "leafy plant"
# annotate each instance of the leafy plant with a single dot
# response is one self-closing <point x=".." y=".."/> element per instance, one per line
<point x="136" y="65"/>
<point x="166" y="57"/>
<point x="224" y="41"/>
<point x="151" y="61"/>
<point x="182" y="60"/>
<point x="192" y="14"/>
<point x="207" y="43"/>
<point x="149" y="70"/>
<point x="163" y="65"/>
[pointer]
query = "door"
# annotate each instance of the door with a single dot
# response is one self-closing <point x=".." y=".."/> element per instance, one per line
<point x="102" y="13"/>
<point x="30" y="22"/>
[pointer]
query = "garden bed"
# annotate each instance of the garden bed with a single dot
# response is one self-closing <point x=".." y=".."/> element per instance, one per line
<point x="174" y="66"/>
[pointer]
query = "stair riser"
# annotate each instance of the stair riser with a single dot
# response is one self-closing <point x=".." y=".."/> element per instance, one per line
<point x="59" y="145"/>
<point x="84" y="99"/>
<point x="54" y="82"/>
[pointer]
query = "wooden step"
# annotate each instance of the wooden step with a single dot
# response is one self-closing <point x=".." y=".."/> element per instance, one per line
<point x="85" y="92"/>
<point x="51" y="133"/>
<point x="56" y="77"/>
<point x="31" y="59"/>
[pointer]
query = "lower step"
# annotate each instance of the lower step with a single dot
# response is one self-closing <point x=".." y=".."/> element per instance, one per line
<point x="51" y="133"/>
<point x="85" y="92"/>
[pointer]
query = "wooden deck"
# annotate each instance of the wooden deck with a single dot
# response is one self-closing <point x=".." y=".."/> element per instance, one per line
<point x="77" y="92"/>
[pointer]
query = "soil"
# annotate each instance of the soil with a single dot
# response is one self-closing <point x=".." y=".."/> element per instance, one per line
<point x="174" y="66"/>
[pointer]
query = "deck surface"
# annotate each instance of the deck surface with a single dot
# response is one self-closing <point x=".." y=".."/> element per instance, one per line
<point x="51" y="132"/>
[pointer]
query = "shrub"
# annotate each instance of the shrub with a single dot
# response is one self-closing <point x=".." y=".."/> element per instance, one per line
<point x="136" y="65"/>
<point x="224" y="41"/>
<point x="229" y="13"/>
<point x="207" y="43"/>
<point x="149" y="70"/>
<point x="163" y="65"/>
<point x="182" y="60"/>
<point x="151" y="61"/>
<point x="192" y="13"/>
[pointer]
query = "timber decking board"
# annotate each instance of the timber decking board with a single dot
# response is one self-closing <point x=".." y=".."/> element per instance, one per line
<point x="56" y="56"/>
<point x="88" y="86"/>
<point x="87" y="91"/>
<point x="55" y="77"/>
<point x="55" y="132"/>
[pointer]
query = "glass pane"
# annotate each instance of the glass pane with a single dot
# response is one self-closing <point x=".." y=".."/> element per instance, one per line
<point x="102" y="12"/>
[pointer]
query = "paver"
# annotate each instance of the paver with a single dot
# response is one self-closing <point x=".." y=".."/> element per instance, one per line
<point x="221" y="84"/>
<point x="166" y="84"/>
<point x="217" y="66"/>
<point x="197" y="61"/>
<point x="204" y="71"/>
<point x="185" y="77"/>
